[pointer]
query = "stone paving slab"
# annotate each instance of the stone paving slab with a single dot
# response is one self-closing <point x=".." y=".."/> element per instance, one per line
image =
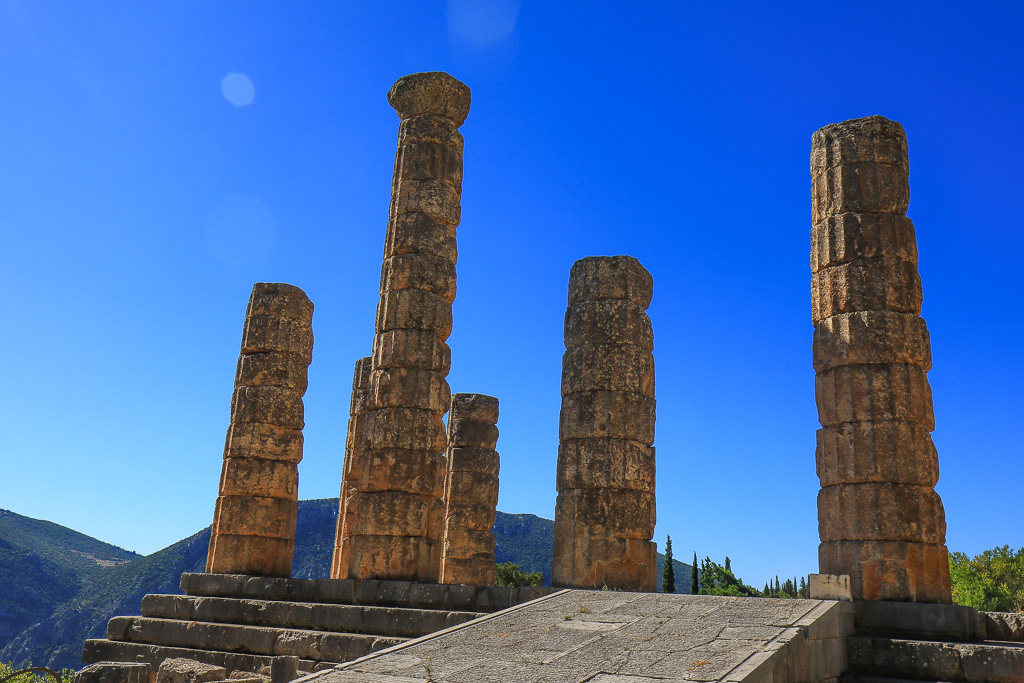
<point x="608" y="637"/>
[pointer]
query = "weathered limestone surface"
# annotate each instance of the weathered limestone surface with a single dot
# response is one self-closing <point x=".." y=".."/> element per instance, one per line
<point x="470" y="491"/>
<point x="396" y="489"/>
<point x="254" y="520"/>
<point x="605" y="513"/>
<point x="350" y="472"/>
<point x="879" y="518"/>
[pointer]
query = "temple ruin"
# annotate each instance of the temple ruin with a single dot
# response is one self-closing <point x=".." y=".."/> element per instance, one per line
<point x="880" y="520"/>
<point x="254" y="519"/>
<point x="414" y="551"/>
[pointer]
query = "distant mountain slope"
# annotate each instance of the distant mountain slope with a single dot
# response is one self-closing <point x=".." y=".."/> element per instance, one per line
<point x="55" y="639"/>
<point x="42" y="565"/>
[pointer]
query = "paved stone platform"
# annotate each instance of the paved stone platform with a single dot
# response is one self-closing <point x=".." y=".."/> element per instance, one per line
<point x="611" y="637"/>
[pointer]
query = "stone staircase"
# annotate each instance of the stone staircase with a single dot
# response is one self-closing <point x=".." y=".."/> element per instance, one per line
<point x="241" y="623"/>
<point x="898" y="642"/>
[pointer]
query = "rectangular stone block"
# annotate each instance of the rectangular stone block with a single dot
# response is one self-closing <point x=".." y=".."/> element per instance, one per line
<point x="410" y="388"/>
<point x="474" y="571"/>
<point x="879" y="284"/>
<point x="405" y="428"/>
<point x="391" y="557"/>
<point x="434" y="198"/>
<point x="395" y="469"/>
<point x="252" y="555"/>
<point x="871" y="337"/>
<point x="178" y="670"/>
<point x="864" y="393"/>
<point x="268" y="333"/>
<point x="607" y="414"/>
<point x="464" y="544"/>
<point x="419" y="271"/>
<point x="429" y="129"/>
<point x="471" y="433"/>
<point x="280" y="300"/>
<point x="114" y="672"/>
<point x="609" y="321"/>
<point x="597" y="563"/>
<point x="268" y="405"/>
<point x="273" y="369"/>
<point x="869" y="139"/>
<point x="428" y="159"/>
<point x="890" y="570"/>
<point x="473" y="460"/>
<point x="415" y="233"/>
<point x="850" y="237"/>
<point x="471" y="516"/>
<point x="472" y="487"/>
<point x="623" y="367"/>
<point x="259" y="477"/>
<point x="609" y="513"/>
<point x="868" y="187"/>
<point x="414" y="309"/>
<point x="254" y="516"/>
<point x="610" y="277"/>
<point x="881" y="511"/>
<point x="829" y="587"/>
<point x="475" y="406"/>
<point x="254" y="440"/>
<point x="859" y="452"/>
<point x="388" y="513"/>
<point x="411" y="349"/>
<point x="605" y="463"/>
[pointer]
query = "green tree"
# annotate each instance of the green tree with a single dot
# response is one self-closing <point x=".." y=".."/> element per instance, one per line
<point x="509" y="575"/>
<point x="719" y="580"/>
<point x="992" y="581"/>
<point x="32" y="676"/>
<point x="694" y="579"/>
<point x="668" y="572"/>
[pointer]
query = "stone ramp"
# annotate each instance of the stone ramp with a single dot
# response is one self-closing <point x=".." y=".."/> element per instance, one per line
<point x="612" y="637"/>
<point x="241" y="622"/>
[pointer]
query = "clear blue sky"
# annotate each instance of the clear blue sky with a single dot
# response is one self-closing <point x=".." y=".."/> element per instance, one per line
<point x="678" y="133"/>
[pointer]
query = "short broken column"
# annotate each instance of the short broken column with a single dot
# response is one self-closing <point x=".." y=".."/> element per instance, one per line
<point x="471" y="491"/>
<point x="879" y="518"/>
<point x="354" y="443"/>
<point x="396" y="526"/>
<point x="605" y="512"/>
<point x="256" y="511"/>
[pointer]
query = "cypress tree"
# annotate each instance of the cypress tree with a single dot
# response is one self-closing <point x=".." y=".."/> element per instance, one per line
<point x="668" y="572"/>
<point x="728" y="564"/>
<point x="694" y="586"/>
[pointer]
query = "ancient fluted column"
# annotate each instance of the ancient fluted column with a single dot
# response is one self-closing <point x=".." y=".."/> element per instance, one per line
<point x="349" y="479"/>
<point x="396" y="530"/>
<point x="255" y="515"/>
<point x="879" y="517"/>
<point x="470" y="491"/>
<point x="605" y="512"/>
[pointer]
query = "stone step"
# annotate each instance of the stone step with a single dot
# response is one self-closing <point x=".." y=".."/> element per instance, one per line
<point x="102" y="650"/>
<point x="383" y="621"/>
<point x="366" y="592"/>
<point x="985" y="662"/>
<point x="882" y="679"/>
<point x="315" y="646"/>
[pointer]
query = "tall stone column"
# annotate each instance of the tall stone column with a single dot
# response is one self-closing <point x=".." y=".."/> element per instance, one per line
<point x="605" y="512"/>
<point x="879" y="517"/>
<point x="396" y="527"/>
<point x="349" y="478"/>
<point x="471" y="491"/>
<point x="255" y="515"/>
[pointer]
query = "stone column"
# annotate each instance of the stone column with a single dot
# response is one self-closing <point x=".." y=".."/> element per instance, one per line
<point x="396" y="527"/>
<point x="605" y="513"/>
<point x="470" y="491"/>
<point x="879" y="517"/>
<point x="254" y="520"/>
<point x="349" y="480"/>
